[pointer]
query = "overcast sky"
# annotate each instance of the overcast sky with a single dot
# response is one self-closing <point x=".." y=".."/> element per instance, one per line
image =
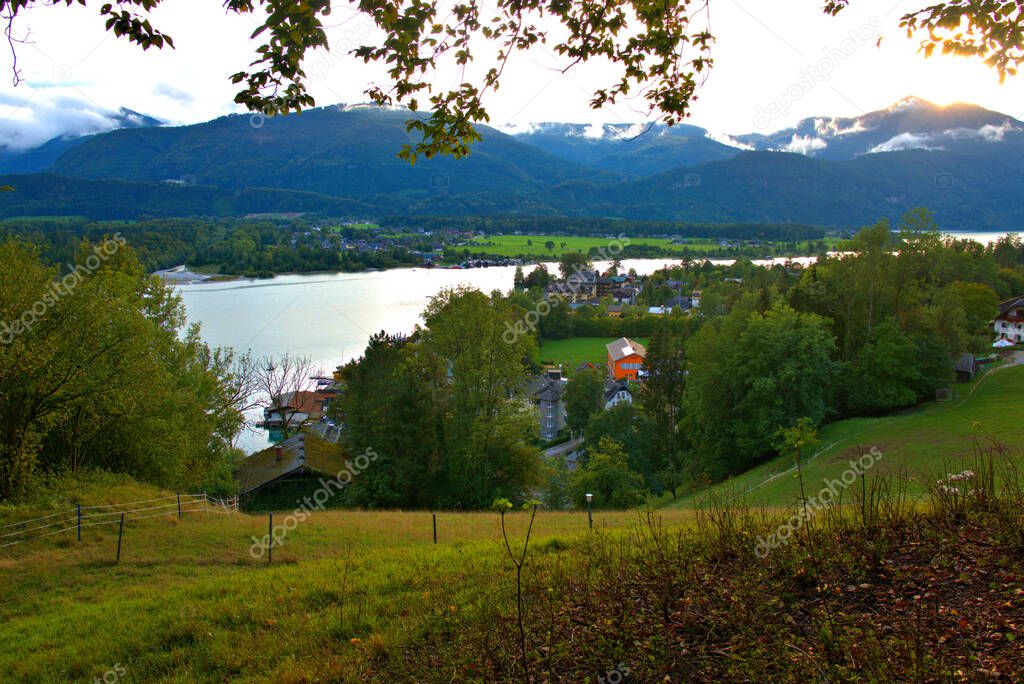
<point x="775" y="64"/>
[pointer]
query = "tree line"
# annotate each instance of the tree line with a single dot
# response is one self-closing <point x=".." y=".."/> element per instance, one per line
<point x="231" y="246"/>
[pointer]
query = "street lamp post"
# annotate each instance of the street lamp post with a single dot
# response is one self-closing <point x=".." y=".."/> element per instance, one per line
<point x="590" y="512"/>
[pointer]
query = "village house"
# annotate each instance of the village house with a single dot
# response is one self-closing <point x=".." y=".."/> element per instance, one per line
<point x="282" y="474"/>
<point x="296" y="408"/>
<point x="681" y="302"/>
<point x="1009" y="324"/>
<point x="607" y="284"/>
<point x="546" y="394"/>
<point x="578" y="287"/>
<point x="617" y="392"/>
<point x="625" y="295"/>
<point x="625" y="359"/>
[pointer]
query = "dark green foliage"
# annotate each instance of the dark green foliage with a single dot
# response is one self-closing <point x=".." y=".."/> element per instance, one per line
<point x="387" y="406"/>
<point x="98" y="371"/>
<point x="884" y="375"/>
<point x="440" y="409"/>
<point x="661" y="394"/>
<point x="752" y="374"/>
<point x="608" y="476"/>
<point x="248" y="247"/>
<point x="584" y="396"/>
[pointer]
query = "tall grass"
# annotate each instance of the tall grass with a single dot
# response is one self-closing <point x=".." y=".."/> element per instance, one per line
<point x="889" y="587"/>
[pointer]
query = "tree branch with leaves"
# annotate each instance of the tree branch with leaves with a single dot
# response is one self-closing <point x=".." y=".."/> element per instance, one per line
<point x="660" y="50"/>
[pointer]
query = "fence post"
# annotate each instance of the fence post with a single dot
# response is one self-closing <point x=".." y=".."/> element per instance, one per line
<point x="270" y="538"/>
<point x="120" y="536"/>
<point x="434" y="516"/>
<point x="78" y="507"/>
<point x="179" y="506"/>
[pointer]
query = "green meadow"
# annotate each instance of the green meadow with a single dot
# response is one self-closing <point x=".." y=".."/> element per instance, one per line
<point x="190" y="602"/>
<point x="534" y="245"/>
<point x="923" y="443"/>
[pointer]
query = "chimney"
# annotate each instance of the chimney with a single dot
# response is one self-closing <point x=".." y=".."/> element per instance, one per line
<point x="278" y="452"/>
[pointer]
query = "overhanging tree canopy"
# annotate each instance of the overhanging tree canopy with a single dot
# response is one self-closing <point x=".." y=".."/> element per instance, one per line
<point x="660" y="49"/>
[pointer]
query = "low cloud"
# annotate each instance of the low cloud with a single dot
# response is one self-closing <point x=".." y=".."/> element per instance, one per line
<point x="828" y="128"/>
<point x="30" y="117"/>
<point x="906" y="141"/>
<point x="726" y="139"/>
<point x="988" y="132"/>
<point x="519" y="128"/>
<point x="933" y="141"/>
<point x="805" y="145"/>
<point x="172" y="93"/>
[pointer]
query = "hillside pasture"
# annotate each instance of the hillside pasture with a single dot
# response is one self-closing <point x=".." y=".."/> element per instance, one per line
<point x="925" y="442"/>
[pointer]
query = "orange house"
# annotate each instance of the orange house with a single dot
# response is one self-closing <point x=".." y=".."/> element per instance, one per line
<point x="625" y="358"/>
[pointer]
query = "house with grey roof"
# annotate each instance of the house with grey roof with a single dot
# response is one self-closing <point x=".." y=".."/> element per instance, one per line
<point x="546" y="393"/>
<point x="617" y="392"/>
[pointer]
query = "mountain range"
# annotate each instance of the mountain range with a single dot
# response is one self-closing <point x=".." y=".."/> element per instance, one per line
<point x="961" y="161"/>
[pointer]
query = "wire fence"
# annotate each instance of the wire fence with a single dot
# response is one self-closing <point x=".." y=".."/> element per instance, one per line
<point x="72" y="521"/>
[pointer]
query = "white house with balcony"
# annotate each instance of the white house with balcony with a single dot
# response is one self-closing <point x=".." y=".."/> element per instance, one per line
<point x="1009" y="324"/>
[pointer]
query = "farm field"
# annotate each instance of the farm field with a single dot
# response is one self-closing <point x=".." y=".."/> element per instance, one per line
<point x="366" y="597"/>
<point x="927" y="441"/>
<point x="572" y="351"/>
<point x="533" y="245"/>
<point x="188" y="602"/>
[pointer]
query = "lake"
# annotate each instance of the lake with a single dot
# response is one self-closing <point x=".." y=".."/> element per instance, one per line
<point x="330" y="317"/>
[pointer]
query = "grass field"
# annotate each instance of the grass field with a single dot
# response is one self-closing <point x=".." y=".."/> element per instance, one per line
<point x="366" y="597"/>
<point x="188" y="602"/>
<point x="520" y="245"/>
<point x="571" y="352"/>
<point x="533" y="245"/>
<point x="356" y="596"/>
<point x="927" y="441"/>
